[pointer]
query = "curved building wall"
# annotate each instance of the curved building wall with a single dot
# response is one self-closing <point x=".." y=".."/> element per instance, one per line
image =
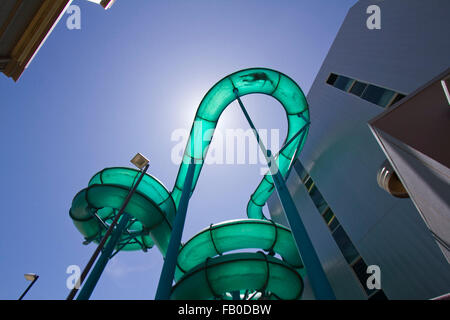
<point x="343" y="157"/>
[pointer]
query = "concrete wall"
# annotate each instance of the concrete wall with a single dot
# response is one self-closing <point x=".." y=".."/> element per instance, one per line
<point x="343" y="157"/>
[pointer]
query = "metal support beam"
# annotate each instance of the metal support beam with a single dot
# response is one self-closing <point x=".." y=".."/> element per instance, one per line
<point x="100" y="265"/>
<point x="29" y="287"/>
<point x="170" y="261"/>
<point x="102" y="243"/>
<point x="316" y="274"/>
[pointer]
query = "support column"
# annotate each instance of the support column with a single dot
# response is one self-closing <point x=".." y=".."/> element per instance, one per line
<point x="102" y="261"/>
<point x="319" y="281"/>
<point x="170" y="261"/>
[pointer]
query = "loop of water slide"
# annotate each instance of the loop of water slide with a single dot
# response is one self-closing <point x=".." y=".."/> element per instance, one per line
<point x="153" y="207"/>
<point x="235" y="235"/>
<point x="248" y="81"/>
<point x="237" y="272"/>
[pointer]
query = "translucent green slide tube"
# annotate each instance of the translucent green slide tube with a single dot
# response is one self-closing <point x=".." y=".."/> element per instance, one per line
<point x="235" y="235"/>
<point x="152" y="208"/>
<point x="236" y="272"/>
<point x="255" y="80"/>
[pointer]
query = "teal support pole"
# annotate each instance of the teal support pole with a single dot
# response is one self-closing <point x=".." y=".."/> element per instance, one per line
<point x="319" y="282"/>
<point x="170" y="261"/>
<point x="100" y="265"/>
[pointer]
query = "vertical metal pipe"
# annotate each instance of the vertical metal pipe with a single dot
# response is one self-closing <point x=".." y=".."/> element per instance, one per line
<point x="102" y="243"/>
<point x="100" y="265"/>
<point x="170" y="261"/>
<point x="319" y="282"/>
<point x="29" y="287"/>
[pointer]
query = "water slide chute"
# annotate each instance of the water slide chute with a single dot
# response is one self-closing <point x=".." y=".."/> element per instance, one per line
<point x="153" y="207"/>
<point x="234" y="235"/>
<point x="237" y="272"/>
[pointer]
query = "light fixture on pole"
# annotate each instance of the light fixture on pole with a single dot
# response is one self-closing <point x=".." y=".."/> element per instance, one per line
<point x="30" y="277"/>
<point x="140" y="161"/>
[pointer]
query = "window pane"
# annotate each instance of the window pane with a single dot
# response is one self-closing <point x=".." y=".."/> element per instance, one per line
<point x="360" y="269"/>
<point x="332" y="78"/>
<point x="317" y="198"/>
<point x="358" y="88"/>
<point x="308" y="183"/>
<point x="345" y="244"/>
<point x="378" y="95"/>
<point x="328" y="215"/>
<point x="343" y="83"/>
<point x="397" y="98"/>
<point x="300" y="170"/>
<point x="334" y="223"/>
<point x="330" y="219"/>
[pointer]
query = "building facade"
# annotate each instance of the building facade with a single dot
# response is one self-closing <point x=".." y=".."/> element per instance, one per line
<point x="351" y="221"/>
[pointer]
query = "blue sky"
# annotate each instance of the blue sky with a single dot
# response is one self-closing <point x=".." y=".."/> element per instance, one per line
<point x="122" y="84"/>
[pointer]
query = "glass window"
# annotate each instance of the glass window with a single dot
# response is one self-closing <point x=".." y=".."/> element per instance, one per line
<point x="300" y="170"/>
<point x="358" y="88"/>
<point x="330" y="219"/>
<point x="345" y="244"/>
<point x="377" y="95"/>
<point x="343" y="83"/>
<point x="332" y="78"/>
<point x="308" y="183"/>
<point x="360" y="269"/>
<point x="317" y="198"/>
<point x="333" y="223"/>
<point x="328" y="215"/>
<point x="397" y="98"/>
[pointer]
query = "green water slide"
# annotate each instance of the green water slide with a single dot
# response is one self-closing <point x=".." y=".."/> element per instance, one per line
<point x="256" y="80"/>
<point x="238" y="272"/>
<point x="151" y="207"/>
<point x="203" y="270"/>
<point x="233" y="235"/>
<point x="202" y="260"/>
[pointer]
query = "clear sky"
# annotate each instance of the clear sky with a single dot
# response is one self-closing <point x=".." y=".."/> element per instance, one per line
<point x="123" y="84"/>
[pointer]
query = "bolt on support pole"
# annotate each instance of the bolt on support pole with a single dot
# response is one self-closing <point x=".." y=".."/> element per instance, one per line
<point x="102" y="243"/>
<point x="170" y="261"/>
<point x="319" y="282"/>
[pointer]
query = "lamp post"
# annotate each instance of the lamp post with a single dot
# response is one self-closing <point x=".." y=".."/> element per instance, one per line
<point x="30" y="277"/>
<point x="141" y="163"/>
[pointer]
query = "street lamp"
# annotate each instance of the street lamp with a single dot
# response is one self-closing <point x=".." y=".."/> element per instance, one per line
<point x="30" y="277"/>
<point x="139" y="161"/>
<point x="104" y="3"/>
